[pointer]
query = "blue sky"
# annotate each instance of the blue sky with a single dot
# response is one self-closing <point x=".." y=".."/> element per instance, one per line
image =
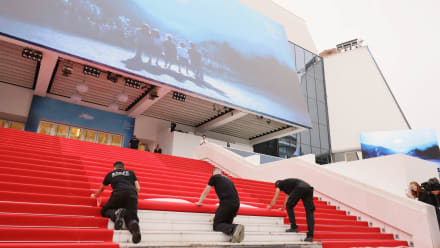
<point x="401" y="141"/>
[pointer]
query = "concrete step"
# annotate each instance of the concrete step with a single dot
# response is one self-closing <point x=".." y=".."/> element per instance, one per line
<point x="149" y="215"/>
<point x="156" y="225"/>
<point x="203" y="237"/>
<point x="224" y="244"/>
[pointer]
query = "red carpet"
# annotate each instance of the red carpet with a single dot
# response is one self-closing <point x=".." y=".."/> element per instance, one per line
<point x="47" y="181"/>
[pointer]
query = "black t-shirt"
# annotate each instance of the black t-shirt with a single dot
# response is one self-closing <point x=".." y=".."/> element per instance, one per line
<point x="290" y="184"/>
<point x="224" y="188"/>
<point x="121" y="180"/>
<point x="134" y="143"/>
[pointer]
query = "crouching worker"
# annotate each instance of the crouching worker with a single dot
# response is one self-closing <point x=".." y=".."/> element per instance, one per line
<point x="228" y="208"/>
<point x="296" y="189"/>
<point x="123" y="203"/>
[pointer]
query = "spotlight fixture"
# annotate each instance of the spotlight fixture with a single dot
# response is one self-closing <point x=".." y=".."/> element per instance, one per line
<point x="113" y="106"/>
<point x="123" y="97"/>
<point x="133" y="83"/>
<point x="76" y="98"/>
<point x="32" y="54"/>
<point x="91" y="71"/>
<point x="113" y="77"/>
<point x="179" y="96"/>
<point x="154" y="94"/>
<point x="67" y="70"/>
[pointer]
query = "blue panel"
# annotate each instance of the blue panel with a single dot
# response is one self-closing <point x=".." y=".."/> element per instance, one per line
<point x="218" y="48"/>
<point x="64" y="112"/>
<point x="421" y="143"/>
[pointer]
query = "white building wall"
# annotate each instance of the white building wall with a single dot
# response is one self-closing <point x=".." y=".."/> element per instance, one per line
<point x="358" y="99"/>
<point x="15" y="102"/>
<point x="389" y="173"/>
<point x="152" y="131"/>
<point x="296" y="27"/>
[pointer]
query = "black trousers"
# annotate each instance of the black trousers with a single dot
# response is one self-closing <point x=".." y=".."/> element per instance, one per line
<point x="224" y="216"/>
<point x="122" y="199"/>
<point x="306" y="195"/>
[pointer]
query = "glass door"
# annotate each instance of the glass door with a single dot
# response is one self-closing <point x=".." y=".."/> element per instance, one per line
<point x="45" y="128"/>
<point x="16" y="125"/>
<point x="90" y="136"/>
<point x="62" y="131"/>
<point x="116" y="140"/>
<point x="75" y="133"/>
<point x="103" y="138"/>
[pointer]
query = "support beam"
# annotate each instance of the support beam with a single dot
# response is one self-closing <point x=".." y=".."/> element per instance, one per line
<point x="146" y="102"/>
<point x="47" y="67"/>
<point x="275" y="135"/>
<point x="220" y="121"/>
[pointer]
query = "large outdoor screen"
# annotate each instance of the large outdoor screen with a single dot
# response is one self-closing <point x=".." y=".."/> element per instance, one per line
<point x="420" y="143"/>
<point x="219" y="49"/>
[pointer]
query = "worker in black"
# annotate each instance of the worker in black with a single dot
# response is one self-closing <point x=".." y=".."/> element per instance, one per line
<point x="228" y="208"/>
<point x="134" y="143"/>
<point x="295" y="190"/>
<point x="123" y="202"/>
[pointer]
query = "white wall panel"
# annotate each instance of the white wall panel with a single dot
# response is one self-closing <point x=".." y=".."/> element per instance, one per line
<point x="358" y="99"/>
<point x="15" y="101"/>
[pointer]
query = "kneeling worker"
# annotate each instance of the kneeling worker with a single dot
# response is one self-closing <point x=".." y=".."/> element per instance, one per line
<point x="123" y="202"/>
<point x="228" y="208"/>
<point x="296" y="189"/>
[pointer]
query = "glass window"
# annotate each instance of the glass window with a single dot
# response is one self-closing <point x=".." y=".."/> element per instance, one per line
<point x="305" y="137"/>
<point x="304" y="84"/>
<point x="314" y="135"/>
<point x="61" y="131"/>
<point x="299" y="58"/>
<point x="2" y="123"/>
<point x="322" y="113"/>
<point x="319" y="70"/>
<point x="308" y="56"/>
<point x="103" y="138"/>
<point x="316" y="150"/>
<point x="313" y="110"/>
<point x="320" y="90"/>
<point x="75" y="133"/>
<point x="305" y="149"/>
<point x="311" y="88"/>
<point x="116" y="140"/>
<point x="46" y="128"/>
<point x="323" y="133"/>
<point x="16" y="125"/>
<point x="90" y="136"/>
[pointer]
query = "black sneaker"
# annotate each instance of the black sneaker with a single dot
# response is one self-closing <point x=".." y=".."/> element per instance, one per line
<point x="309" y="239"/>
<point x="238" y="234"/>
<point x="295" y="230"/>
<point x="119" y="218"/>
<point x="133" y="227"/>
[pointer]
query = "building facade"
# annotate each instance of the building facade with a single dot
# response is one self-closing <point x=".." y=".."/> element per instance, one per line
<point x="310" y="69"/>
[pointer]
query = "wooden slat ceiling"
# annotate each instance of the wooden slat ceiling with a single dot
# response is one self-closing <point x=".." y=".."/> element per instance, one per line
<point x="14" y="69"/>
<point x="249" y="126"/>
<point x="193" y="111"/>
<point x="101" y="90"/>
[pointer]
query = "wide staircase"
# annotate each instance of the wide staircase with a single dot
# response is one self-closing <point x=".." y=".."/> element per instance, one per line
<point x="46" y="182"/>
